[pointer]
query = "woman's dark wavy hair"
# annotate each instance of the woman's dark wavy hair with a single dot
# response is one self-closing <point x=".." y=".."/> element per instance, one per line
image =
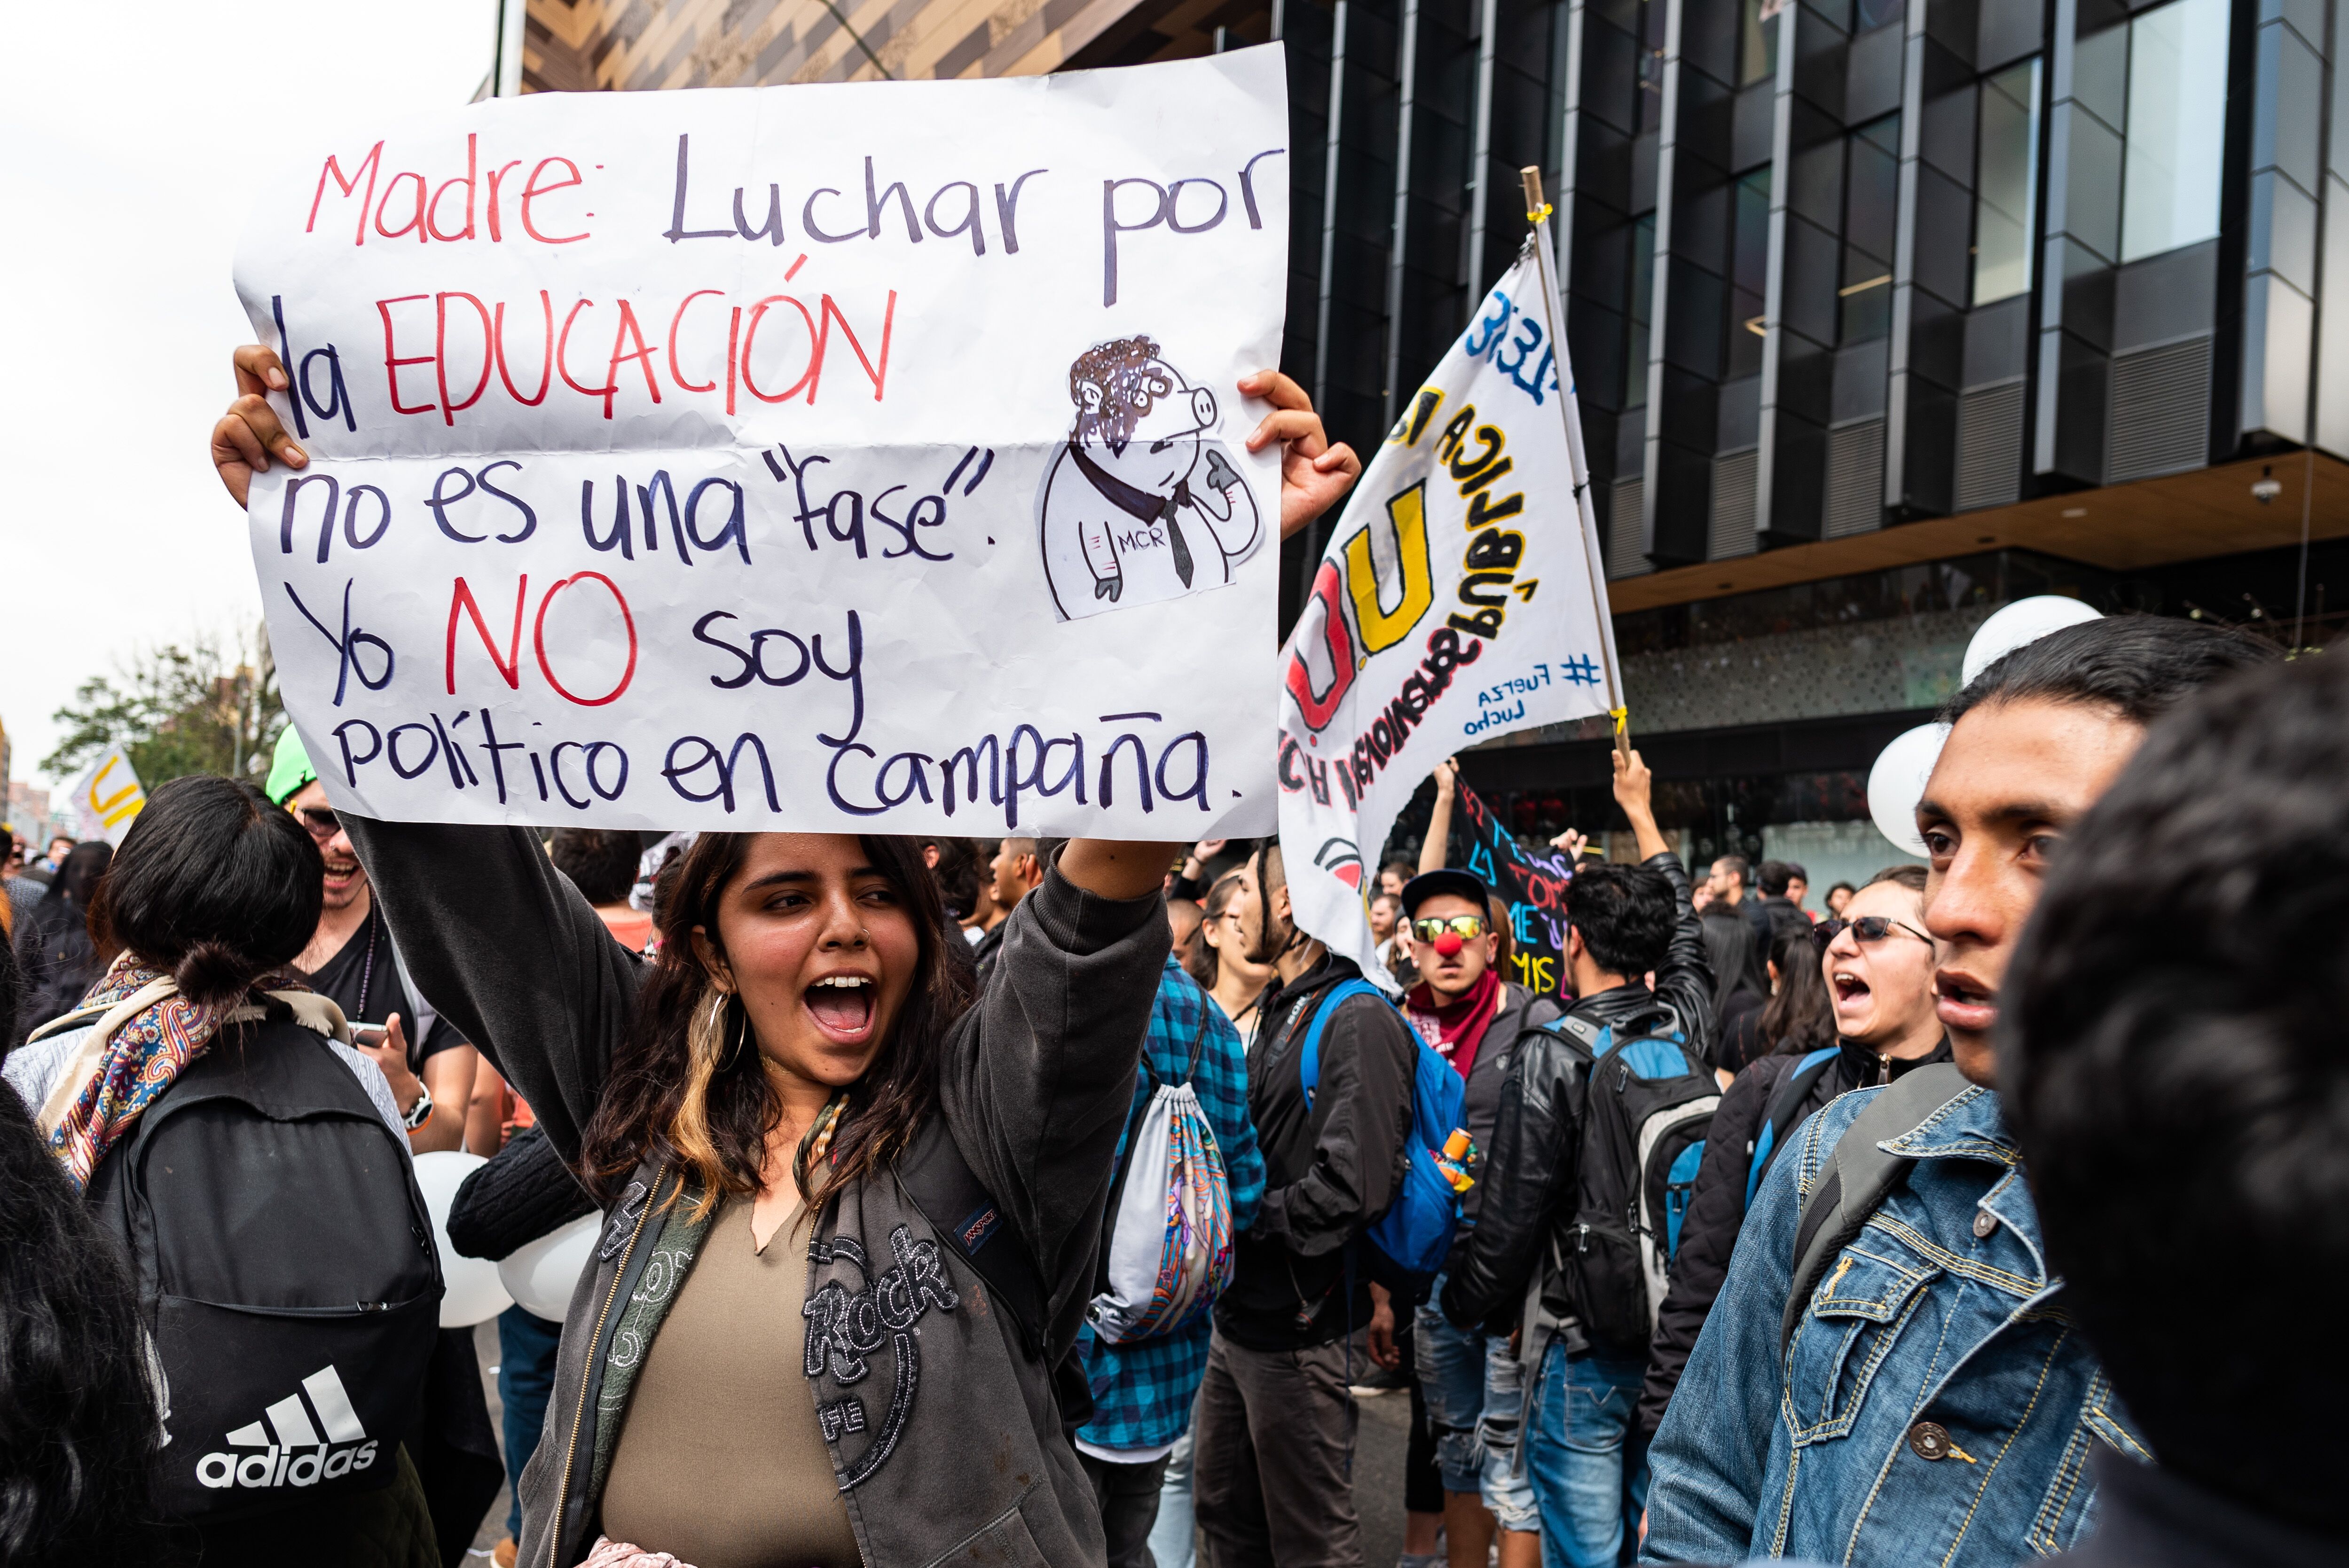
<point x="712" y="1116"/>
<point x="79" y="1428"/>
<point x="214" y="884"/>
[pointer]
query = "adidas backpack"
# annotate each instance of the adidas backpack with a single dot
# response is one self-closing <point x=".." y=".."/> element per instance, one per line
<point x="1409" y="1242"/>
<point x="1645" y="1115"/>
<point x="285" y="1268"/>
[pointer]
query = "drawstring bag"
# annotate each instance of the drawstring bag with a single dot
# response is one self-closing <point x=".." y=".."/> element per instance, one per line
<point x="1168" y="1253"/>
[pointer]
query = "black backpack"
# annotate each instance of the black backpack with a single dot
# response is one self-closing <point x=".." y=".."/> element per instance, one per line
<point x="1646" y="1112"/>
<point x="285" y="1270"/>
<point x="946" y="1190"/>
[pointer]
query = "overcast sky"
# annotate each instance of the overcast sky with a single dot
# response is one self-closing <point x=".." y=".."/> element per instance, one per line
<point x="126" y="131"/>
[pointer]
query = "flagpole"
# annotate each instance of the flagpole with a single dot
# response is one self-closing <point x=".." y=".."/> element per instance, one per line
<point x="1537" y="214"/>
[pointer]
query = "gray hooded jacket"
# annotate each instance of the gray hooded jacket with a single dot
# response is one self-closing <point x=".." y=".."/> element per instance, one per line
<point x="943" y="1430"/>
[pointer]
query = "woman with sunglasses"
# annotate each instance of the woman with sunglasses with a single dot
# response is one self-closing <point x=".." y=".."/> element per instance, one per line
<point x="1878" y="965"/>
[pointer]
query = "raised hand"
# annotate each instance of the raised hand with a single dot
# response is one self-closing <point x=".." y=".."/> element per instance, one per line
<point x="249" y="432"/>
<point x="1314" y="475"/>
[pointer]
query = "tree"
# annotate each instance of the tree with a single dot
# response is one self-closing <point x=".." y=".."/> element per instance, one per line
<point x="206" y="707"/>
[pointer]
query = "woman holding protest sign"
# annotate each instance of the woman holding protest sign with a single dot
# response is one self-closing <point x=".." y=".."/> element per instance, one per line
<point x="852" y="1206"/>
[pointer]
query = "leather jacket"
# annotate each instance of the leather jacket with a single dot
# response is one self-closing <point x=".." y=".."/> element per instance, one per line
<point x="1529" y="1173"/>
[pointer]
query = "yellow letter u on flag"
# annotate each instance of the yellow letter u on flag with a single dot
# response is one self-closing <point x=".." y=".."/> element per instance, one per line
<point x="1382" y="628"/>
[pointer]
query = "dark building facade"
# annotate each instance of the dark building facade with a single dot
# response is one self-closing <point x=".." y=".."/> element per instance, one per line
<point x="1882" y="313"/>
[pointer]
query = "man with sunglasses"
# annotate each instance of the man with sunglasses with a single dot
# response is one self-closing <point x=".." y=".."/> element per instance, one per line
<point x="1893" y="1373"/>
<point x="1636" y="955"/>
<point x="1473" y="1018"/>
<point x="351" y="961"/>
<point x="1879" y="965"/>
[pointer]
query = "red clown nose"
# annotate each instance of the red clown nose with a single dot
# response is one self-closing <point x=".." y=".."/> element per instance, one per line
<point x="1448" y="943"/>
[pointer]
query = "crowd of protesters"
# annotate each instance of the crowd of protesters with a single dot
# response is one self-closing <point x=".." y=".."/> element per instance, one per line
<point x="1922" y="1228"/>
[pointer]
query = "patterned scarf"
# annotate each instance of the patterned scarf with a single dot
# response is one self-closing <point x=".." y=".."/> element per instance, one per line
<point x="117" y="1075"/>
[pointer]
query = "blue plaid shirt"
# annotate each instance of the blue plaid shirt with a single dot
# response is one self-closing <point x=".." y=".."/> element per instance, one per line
<point x="1143" y="1391"/>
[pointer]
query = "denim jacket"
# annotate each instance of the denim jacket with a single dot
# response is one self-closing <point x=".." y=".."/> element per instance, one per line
<point x="1936" y="1403"/>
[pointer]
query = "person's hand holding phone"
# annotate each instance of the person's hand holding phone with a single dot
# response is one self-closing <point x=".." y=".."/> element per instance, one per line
<point x="387" y="1046"/>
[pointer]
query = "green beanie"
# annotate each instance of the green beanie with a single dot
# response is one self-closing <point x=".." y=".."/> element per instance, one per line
<point x="292" y="768"/>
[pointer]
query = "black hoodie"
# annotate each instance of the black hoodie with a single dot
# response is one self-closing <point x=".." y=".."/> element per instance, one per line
<point x="1329" y="1171"/>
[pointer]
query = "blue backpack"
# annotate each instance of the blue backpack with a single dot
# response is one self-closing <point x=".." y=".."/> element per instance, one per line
<point x="1411" y="1240"/>
<point x="1779" y="1120"/>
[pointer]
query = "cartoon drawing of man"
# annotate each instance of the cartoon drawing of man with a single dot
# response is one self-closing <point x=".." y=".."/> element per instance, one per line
<point x="1142" y="503"/>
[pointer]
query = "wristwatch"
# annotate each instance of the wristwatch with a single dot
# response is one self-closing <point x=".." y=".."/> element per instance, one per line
<point x="421" y="1111"/>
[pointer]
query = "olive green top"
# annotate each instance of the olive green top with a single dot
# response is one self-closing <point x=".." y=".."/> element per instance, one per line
<point x="720" y="1462"/>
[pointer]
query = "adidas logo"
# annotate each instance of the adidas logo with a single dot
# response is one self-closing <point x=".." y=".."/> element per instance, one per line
<point x="287" y="1447"/>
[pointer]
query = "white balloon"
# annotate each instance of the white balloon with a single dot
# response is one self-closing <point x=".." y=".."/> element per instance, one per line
<point x="2013" y="625"/>
<point x="541" y="1274"/>
<point x="474" y="1292"/>
<point x="1897" y="783"/>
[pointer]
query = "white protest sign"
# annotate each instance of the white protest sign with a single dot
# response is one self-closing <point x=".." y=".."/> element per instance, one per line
<point x="107" y="798"/>
<point x="1458" y="600"/>
<point x="824" y="457"/>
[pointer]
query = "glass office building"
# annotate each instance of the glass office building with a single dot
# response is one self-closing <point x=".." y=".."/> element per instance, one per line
<point x="1882" y="313"/>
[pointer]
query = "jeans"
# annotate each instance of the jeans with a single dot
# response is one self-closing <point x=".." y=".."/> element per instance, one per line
<point x="526" y="1346"/>
<point x="1475" y="1397"/>
<point x="1590" y="1482"/>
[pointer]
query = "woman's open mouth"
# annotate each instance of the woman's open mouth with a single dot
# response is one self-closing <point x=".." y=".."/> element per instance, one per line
<point x="841" y="1005"/>
<point x="1850" y="988"/>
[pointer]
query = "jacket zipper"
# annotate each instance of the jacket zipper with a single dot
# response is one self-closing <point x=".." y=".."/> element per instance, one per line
<point x="578" y="1414"/>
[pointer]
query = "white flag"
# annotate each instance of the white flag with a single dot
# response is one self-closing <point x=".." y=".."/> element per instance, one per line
<point x="1461" y="598"/>
<point x="107" y="798"/>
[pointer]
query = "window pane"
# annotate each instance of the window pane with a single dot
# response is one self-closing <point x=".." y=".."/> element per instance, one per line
<point x="2005" y="184"/>
<point x="1874" y="14"/>
<point x="1644" y="287"/>
<point x="2176" y="131"/>
<point x="1872" y="194"/>
<point x="1653" y="14"/>
<point x="1757" y="52"/>
<point x="2100" y="75"/>
<point x="1749" y="272"/>
<point x="1867" y="295"/>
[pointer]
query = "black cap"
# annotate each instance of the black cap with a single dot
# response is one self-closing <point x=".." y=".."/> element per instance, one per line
<point x="1451" y="880"/>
